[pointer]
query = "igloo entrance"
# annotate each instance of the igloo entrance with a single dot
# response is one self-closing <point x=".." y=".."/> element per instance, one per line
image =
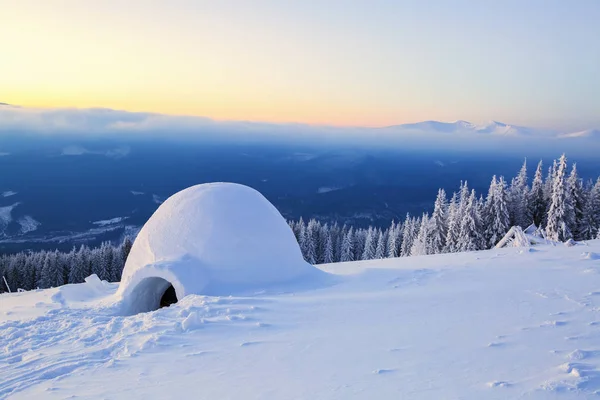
<point x="169" y="297"/>
<point x="151" y="294"/>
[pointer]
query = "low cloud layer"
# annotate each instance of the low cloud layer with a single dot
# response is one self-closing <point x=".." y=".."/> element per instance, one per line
<point x="101" y="122"/>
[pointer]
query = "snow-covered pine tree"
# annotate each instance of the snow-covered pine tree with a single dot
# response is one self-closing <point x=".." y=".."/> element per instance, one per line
<point x="517" y="199"/>
<point x="453" y="223"/>
<point x="360" y="237"/>
<point x="496" y="216"/>
<point x="18" y="262"/>
<point x="393" y="245"/>
<point x="334" y="232"/>
<point x="549" y="182"/>
<point x="370" y="245"/>
<point x="303" y="239"/>
<point x="578" y="200"/>
<point x="408" y="236"/>
<point x="297" y="228"/>
<point x="561" y="215"/>
<point x="347" y="250"/>
<point x="421" y="245"/>
<point x="328" y="256"/>
<point x="536" y="203"/>
<point x="310" y="241"/>
<point x="77" y="272"/>
<point x="322" y="232"/>
<point x="589" y="227"/>
<point x="470" y="236"/>
<point x="106" y="261"/>
<point x="61" y="271"/>
<point x="30" y="272"/>
<point x="439" y="219"/>
<point x="381" y="250"/>
<point x="48" y="270"/>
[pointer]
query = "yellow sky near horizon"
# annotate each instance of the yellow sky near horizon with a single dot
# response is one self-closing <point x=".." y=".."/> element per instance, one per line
<point x="347" y="63"/>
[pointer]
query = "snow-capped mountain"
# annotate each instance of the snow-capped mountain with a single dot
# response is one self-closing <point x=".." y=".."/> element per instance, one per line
<point x="464" y="128"/>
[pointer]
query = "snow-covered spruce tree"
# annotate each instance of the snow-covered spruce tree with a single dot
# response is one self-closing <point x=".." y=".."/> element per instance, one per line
<point x="578" y="199"/>
<point x="13" y="276"/>
<point x="77" y="274"/>
<point x="334" y="232"/>
<point x="310" y="242"/>
<point x="496" y="215"/>
<point x="106" y="261"/>
<point x="328" y="251"/>
<point x="422" y="243"/>
<point x="381" y="249"/>
<point x="303" y="239"/>
<point x="589" y="227"/>
<point x="549" y="182"/>
<point x="30" y="272"/>
<point x="370" y="245"/>
<point x="409" y="233"/>
<point x="47" y="278"/>
<point x="439" y="229"/>
<point x="393" y="249"/>
<point x="297" y="228"/>
<point x="453" y="223"/>
<point x="470" y="236"/>
<point x="536" y="202"/>
<point x="19" y="262"/>
<point x="61" y="275"/>
<point x="360" y="238"/>
<point x="561" y="215"/>
<point x="124" y="251"/>
<point x="347" y="250"/>
<point x="517" y="199"/>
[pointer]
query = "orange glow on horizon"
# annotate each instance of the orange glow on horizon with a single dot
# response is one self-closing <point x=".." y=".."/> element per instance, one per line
<point x="284" y="114"/>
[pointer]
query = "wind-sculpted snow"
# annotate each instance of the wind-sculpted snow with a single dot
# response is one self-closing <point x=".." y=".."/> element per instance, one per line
<point x="496" y="324"/>
<point x="70" y="339"/>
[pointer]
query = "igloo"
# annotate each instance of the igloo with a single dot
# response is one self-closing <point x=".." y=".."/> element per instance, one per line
<point x="212" y="239"/>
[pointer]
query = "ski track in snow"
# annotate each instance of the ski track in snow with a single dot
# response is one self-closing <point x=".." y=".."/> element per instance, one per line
<point x="497" y="324"/>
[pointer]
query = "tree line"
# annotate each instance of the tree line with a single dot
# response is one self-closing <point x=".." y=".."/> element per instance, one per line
<point x="561" y="204"/>
<point x="45" y="269"/>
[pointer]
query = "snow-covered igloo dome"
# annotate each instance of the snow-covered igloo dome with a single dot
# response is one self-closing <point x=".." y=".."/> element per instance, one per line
<point x="214" y="238"/>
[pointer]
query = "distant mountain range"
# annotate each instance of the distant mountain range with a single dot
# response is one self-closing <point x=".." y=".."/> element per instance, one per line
<point x="490" y="128"/>
<point x="104" y="120"/>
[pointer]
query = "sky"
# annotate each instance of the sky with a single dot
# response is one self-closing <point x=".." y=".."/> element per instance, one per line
<point x="331" y="62"/>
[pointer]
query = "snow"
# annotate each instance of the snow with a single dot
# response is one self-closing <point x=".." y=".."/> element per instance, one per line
<point x="493" y="128"/>
<point x="157" y="199"/>
<point x="495" y="324"/>
<point x="8" y="193"/>
<point x="6" y="216"/>
<point x="327" y="189"/>
<point x="214" y="238"/>
<point x="28" y="224"/>
<point x="111" y="221"/>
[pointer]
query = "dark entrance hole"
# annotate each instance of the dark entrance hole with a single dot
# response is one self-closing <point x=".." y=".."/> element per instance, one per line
<point x="169" y="297"/>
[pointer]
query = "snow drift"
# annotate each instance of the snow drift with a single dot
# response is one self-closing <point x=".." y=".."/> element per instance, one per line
<point x="215" y="238"/>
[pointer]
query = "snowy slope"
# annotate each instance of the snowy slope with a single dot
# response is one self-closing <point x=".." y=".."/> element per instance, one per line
<point x="497" y="324"/>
